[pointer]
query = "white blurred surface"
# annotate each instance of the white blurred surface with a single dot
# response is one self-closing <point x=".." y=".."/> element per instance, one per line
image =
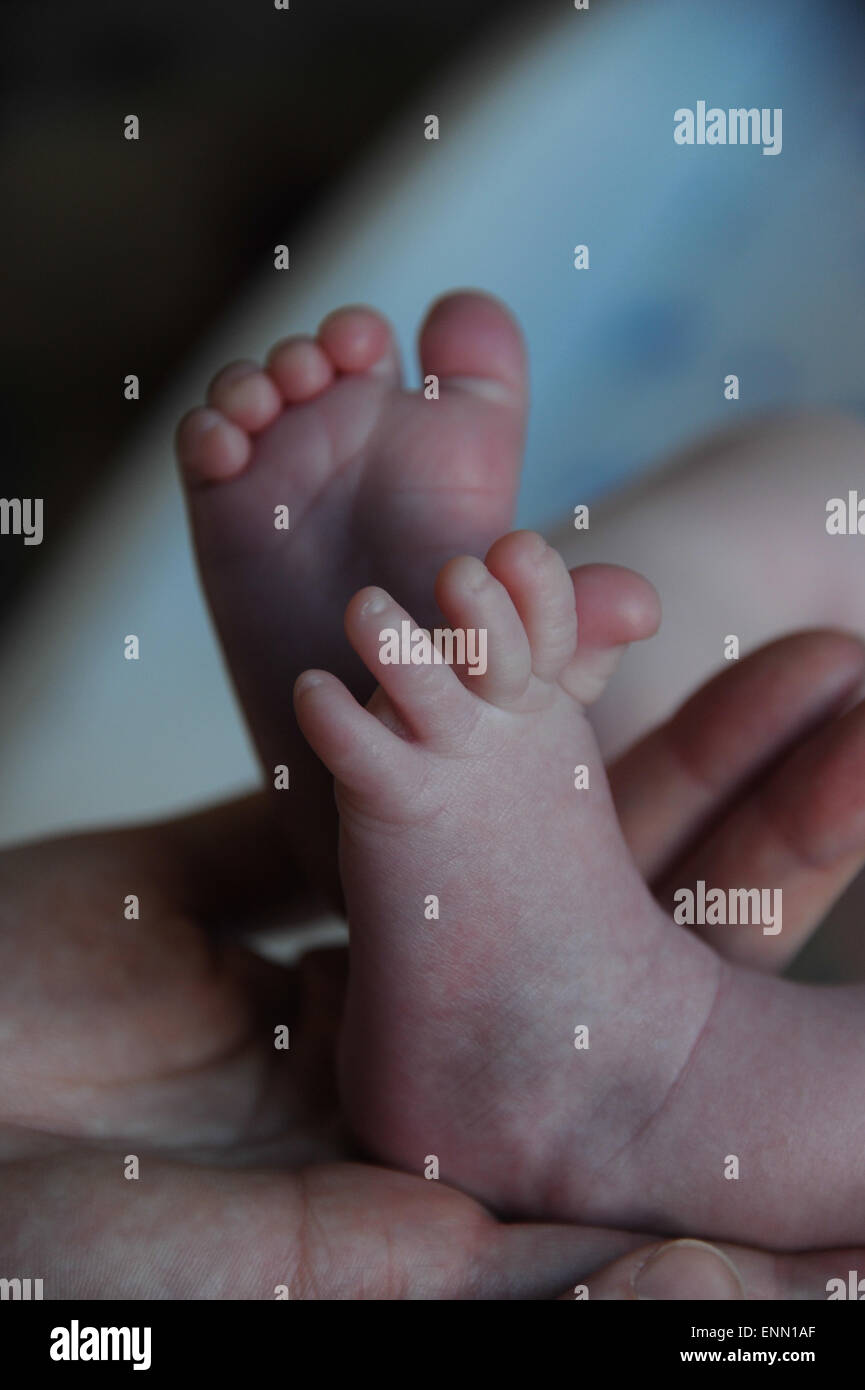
<point x="703" y="261"/>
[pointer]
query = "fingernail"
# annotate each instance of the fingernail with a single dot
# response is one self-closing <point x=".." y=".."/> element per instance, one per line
<point x="687" y="1269"/>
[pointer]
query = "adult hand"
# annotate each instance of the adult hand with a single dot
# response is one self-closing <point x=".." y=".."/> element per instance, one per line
<point x="153" y="1037"/>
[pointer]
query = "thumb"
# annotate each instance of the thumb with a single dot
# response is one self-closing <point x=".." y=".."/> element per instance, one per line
<point x="679" y="1269"/>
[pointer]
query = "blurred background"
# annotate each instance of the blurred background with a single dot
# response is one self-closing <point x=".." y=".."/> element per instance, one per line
<point x="261" y="126"/>
<point x="119" y="255"/>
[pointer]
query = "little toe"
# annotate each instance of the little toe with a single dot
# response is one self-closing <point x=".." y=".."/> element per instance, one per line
<point x="358" y="339"/>
<point x="538" y="582"/>
<point x="471" y="342"/>
<point x="301" y="369"/>
<point x="615" y="606"/>
<point x="488" y="644"/>
<point x="211" y="449"/>
<point x="246" y="395"/>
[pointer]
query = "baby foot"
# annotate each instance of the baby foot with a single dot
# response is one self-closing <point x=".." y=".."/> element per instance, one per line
<point x="381" y="484"/>
<point x="503" y="945"/>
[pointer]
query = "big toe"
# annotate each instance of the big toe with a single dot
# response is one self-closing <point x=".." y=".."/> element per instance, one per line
<point x="472" y="342"/>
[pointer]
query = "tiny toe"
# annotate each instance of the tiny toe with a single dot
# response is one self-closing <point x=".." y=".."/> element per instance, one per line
<point x="537" y="580"/>
<point x="425" y="693"/>
<point x="488" y="634"/>
<point x="471" y="342"/>
<point x="301" y="369"/>
<point x="246" y="395"/>
<point x="358" y="339"/>
<point x="210" y="448"/>
<point x="615" y="606"/>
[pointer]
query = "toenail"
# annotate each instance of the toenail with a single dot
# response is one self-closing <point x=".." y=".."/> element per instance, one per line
<point x="203" y="421"/>
<point x="476" y="577"/>
<point x="238" y="371"/>
<point x="687" y="1269"/>
<point x="382" y="367"/>
<point x="537" y="550"/>
<point x="377" y="602"/>
<point x="307" y="681"/>
<point x="486" y="388"/>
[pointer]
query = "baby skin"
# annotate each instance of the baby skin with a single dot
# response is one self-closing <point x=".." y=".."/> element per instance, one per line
<point x="461" y="1022"/>
<point x="381" y="484"/>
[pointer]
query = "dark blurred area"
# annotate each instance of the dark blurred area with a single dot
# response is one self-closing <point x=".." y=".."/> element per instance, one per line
<point x="119" y="254"/>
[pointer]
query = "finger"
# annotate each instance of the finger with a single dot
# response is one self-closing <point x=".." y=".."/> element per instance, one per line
<point x="407" y="1238"/>
<point x="680" y="1269"/>
<point x="800" y="837"/>
<point x="671" y="784"/>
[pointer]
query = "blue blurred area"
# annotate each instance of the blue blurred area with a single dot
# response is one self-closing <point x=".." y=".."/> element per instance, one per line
<point x="704" y="260"/>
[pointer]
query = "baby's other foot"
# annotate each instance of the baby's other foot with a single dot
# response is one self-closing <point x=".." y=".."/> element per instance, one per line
<point x="501" y="1007"/>
<point x="320" y="472"/>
